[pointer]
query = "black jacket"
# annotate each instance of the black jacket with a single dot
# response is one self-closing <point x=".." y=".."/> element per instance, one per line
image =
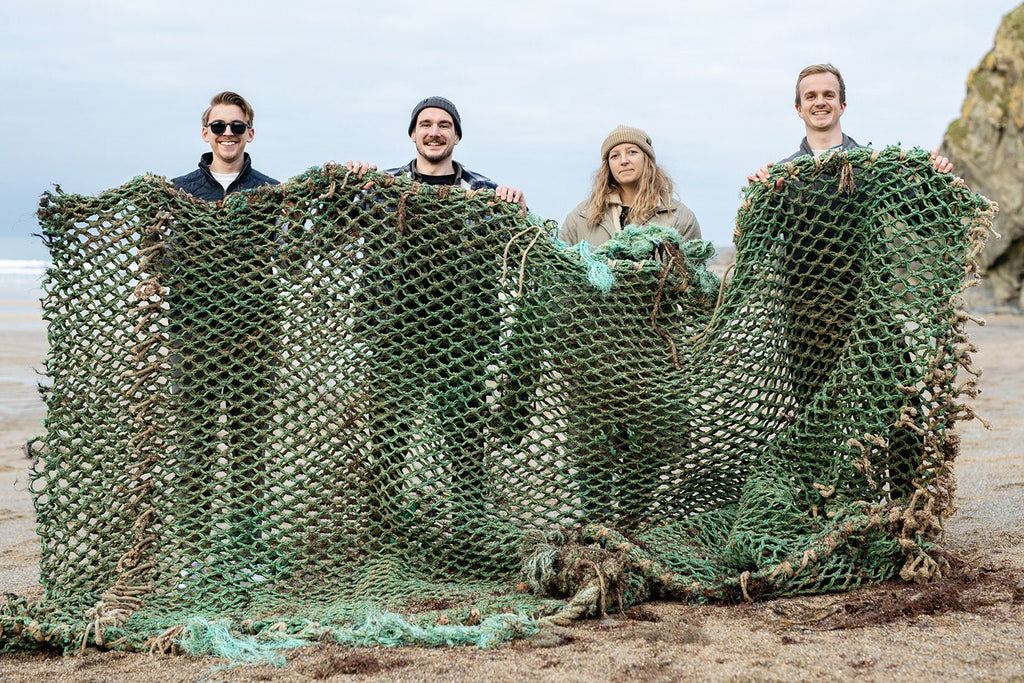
<point x="201" y="183"/>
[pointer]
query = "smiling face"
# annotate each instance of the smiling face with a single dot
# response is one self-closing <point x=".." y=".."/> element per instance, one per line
<point x="435" y="138"/>
<point x="819" y="103"/>
<point x="626" y="161"/>
<point x="228" y="148"/>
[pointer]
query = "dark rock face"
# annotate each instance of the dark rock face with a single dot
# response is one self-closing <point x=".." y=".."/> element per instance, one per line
<point x="986" y="146"/>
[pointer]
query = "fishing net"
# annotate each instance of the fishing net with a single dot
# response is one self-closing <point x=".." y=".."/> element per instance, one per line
<point x="370" y="411"/>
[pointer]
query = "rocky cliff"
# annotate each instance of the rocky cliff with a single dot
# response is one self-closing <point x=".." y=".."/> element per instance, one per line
<point x="986" y="146"/>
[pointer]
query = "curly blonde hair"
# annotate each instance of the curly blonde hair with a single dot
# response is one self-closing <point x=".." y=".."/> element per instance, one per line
<point x="654" y="189"/>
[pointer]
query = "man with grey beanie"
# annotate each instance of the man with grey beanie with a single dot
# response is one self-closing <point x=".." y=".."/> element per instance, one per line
<point x="435" y="127"/>
<point x="429" y="310"/>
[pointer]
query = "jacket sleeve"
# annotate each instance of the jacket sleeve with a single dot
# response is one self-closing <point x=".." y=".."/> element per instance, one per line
<point x="686" y="223"/>
<point x="573" y="230"/>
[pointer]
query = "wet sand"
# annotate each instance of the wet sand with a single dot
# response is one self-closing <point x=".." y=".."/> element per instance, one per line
<point x="966" y="627"/>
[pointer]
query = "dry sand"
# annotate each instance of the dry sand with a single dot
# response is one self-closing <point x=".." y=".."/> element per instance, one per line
<point x="968" y="627"/>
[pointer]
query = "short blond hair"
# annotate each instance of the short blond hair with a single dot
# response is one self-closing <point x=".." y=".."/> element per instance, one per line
<point x="821" y="69"/>
<point x="228" y="97"/>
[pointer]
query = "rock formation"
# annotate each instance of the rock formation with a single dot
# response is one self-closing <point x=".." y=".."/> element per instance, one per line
<point x="986" y="146"/>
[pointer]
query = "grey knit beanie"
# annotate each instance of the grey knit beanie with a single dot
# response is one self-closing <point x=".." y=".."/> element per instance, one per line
<point x="440" y="103"/>
<point x="633" y="136"/>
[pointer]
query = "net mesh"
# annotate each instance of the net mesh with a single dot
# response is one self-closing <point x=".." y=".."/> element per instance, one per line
<point x="380" y="412"/>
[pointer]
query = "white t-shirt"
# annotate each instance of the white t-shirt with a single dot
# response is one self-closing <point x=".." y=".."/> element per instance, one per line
<point x="225" y="179"/>
<point x="819" y="152"/>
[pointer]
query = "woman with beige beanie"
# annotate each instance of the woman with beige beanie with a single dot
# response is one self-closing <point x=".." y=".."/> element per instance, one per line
<point x="629" y="189"/>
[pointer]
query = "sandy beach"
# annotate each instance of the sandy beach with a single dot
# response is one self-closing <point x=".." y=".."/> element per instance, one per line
<point x="22" y="352"/>
<point x="969" y="626"/>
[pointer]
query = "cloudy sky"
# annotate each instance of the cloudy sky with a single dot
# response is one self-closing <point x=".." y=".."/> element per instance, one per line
<point x="99" y="91"/>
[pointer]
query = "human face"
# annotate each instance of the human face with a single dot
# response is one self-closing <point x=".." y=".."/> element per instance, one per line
<point x="228" y="148"/>
<point x="819" y="105"/>
<point x="434" y="135"/>
<point x="627" y="162"/>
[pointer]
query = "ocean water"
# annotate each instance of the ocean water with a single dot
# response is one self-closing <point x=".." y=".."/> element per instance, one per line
<point x="20" y="291"/>
<point x="20" y="310"/>
<point x="21" y="280"/>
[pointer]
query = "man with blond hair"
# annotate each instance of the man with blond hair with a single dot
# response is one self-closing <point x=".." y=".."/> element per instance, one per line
<point x="224" y="330"/>
<point x="820" y="308"/>
<point x="821" y="102"/>
<point x="226" y="168"/>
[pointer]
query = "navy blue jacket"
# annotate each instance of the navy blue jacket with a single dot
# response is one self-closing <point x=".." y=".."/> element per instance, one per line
<point x="201" y="183"/>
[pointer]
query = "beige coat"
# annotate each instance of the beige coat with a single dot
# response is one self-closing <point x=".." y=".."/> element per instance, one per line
<point x="575" y="229"/>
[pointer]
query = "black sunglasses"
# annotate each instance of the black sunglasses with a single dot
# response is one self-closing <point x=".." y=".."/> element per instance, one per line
<point x="218" y="127"/>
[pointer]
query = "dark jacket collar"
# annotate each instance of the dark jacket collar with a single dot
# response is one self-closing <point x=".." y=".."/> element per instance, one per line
<point x="207" y="159"/>
<point x="805" y="148"/>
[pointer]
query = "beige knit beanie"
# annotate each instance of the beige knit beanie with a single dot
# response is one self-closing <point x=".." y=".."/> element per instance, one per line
<point x="633" y="136"/>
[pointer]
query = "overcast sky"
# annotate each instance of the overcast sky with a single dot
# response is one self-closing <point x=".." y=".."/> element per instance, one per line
<point x="97" y="92"/>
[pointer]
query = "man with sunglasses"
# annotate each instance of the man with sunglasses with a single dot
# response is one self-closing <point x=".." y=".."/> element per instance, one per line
<point x="224" y="329"/>
<point x="227" y="128"/>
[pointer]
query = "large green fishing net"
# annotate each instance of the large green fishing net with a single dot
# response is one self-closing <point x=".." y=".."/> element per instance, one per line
<point x="372" y="411"/>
